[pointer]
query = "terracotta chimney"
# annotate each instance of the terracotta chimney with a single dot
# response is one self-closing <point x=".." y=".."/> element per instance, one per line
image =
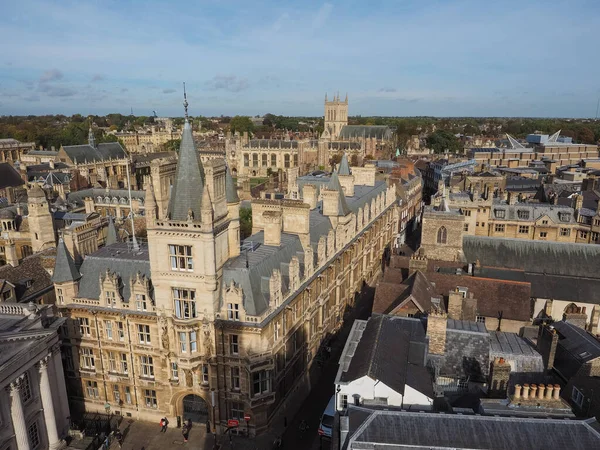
<point x="549" y="390"/>
<point x="541" y="389"/>
<point x="525" y="391"/>
<point x="533" y="391"/>
<point x="557" y="392"/>
<point x="517" y="391"/>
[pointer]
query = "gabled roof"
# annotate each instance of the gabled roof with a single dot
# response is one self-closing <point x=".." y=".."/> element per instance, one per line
<point x="575" y="347"/>
<point x="334" y="185"/>
<point x="188" y="185"/>
<point x="30" y="278"/>
<point x="390" y="297"/>
<point x="64" y="268"/>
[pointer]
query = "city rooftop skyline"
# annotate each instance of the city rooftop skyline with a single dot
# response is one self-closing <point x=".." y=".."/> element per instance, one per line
<point x="394" y="58"/>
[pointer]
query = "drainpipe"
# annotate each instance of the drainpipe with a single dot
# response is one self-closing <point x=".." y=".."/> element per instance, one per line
<point x="132" y="364"/>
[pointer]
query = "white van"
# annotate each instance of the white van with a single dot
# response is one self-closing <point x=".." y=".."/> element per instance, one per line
<point x="326" y="425"/>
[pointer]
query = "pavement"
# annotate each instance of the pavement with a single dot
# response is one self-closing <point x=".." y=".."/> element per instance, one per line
<point x="147" y="436"/>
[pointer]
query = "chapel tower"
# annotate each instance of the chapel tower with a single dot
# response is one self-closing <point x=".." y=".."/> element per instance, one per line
<point x="336" y="116"/>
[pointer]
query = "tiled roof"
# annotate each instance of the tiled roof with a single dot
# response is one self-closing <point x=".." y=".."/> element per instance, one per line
<point x="30" y="277"/>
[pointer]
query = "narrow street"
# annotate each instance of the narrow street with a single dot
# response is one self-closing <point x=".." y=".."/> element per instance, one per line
<point x="314" y="405"/>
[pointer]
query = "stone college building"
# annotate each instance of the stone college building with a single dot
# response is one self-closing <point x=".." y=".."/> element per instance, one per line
<point x="199" y="325"/>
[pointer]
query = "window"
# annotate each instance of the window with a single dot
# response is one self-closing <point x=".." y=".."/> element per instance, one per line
<point x="234" y="347"/>
<point x="182" y="342"/>
<point x="174" y="371"/>
<point x="467" y="212"/>
<point x="111" y="300"/>
<point x="476" y="224"/>
<point x="344" y="401"/>
<point x="261" y="382"/>
<point x="25" y="388"/>
<point x="583" y="234"/>
<point x="273" y="160"/>
<point x="124" y="368"/>
<point x="87" y="358"/>
<point x="466" y="227"/>
<point x="59" y="293"/>
<point x="116" y="393"/>
<point x="482" y="224"/>
<point x="233" y="311"/>
<point x="544" y="222"/>
<point x="246" y="160"/>
<point x="34" y="435"/>
<point x="68" y="359"/>
<point x="264" y="160"/>
<point x="577" y="397"/>
<point x="144" y="334"/>
<point x="193" y="342"/>
<point x="296" y="160"/>
<point x="276" y="330"/>
<point x="181" y="257"/>
<point x="140" y="302"/>
<point x="84" y="326"/>
<point x="499" y="228"/>
<point x="500" y="213"/>
<point x="150" y="398"/>
<point x="522" y="214"/>
<point x="565" y="232"/>
<point x="564" y="217"/>
<point x="147" y="366"/>
<point x="480" y="319"/>
<point x="205" y="377"/>
<point x="109" y="329"/>
<point x="237" y="411"/>
<point x="523" y="229"/>
<point x="286" y="161"/>
<point x="442" y="235"/>
<point x="543" y="234"/>
<point x="185" y="303"/>
<point x="235" y="378"/>
<point x="112" y="362"/>
<point x="128" y="395"/>
<point x="254" y="160"/>
<point x="595" y="236"/>
<point x="91" y="388"/>
<point x="121" y="331"/>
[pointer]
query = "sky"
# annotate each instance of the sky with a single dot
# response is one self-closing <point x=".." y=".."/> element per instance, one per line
<point x="393" y="58"/>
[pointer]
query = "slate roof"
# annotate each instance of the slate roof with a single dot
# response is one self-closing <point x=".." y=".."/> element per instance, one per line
<point x="78" y="197"/>
<point x="111" y="236"/>
<point x="575" y="347"/>
<point x="64" y="268"/>
<point x="383" y="354"/>
<point x="553" y="258"/>
<point x="9" y="177"/>
<point x="557" y="287"/>
<point x="188" y="185"/>
<point x="344" y="168"/>
<point x="117" y="258"/>
<point x="334" y="185"/>
<point x="272" y="144"/>
<point x="401" y="429"/>
<point x="534" y="211"/>
<point x="32" y="270"/>
<point x="101" y="152"/>
<point x="367" y="131"/>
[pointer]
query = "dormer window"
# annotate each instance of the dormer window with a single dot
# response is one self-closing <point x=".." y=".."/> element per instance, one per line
<point x="111" y="299"/>
<point x="233" y="311"/>
<point x="500" y="213"/>
<point x="523" y="214"/>
<point x="140" y="302"/>
<point x="564" y="217"/>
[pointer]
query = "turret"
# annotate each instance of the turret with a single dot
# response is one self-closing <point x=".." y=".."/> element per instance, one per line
<point x="66" y="275"/>
<point x="41" y="224"/>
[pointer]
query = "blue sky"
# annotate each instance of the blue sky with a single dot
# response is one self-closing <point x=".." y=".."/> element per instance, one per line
<point x="397" y="57"/>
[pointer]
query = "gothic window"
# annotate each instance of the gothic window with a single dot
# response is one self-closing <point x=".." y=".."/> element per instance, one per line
<point x="92" y="389"/>
<point x="442" y="235"/>
<point x="185" y="303"/>
<point x="182" y="342"/>
<point x="174" y="371"/>
<point x="111" y="300"/>
<point x="205" y="375"/>
<point x="246" y="160"/>
<point x="273" y="160"/>
<point x="286" y="160"/>
<point x="254" y="160"/>
<point x="264" y="160"/>
<point x="193" y="342"/>
<point x="296" y="160"/>
<point x="84" y="326"/>
<point x="109" y="329"/>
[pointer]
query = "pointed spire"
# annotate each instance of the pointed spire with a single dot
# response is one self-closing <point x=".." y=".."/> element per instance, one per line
<point x="346" y="98"/>
<point x="188" y="186"/>
<point x="344" y="168"/>
<point x="111" y="235"/>
<point x="64" y="267"/>
<point x="325" y="97"/>
<point x="334" y="185"/>
<point x="185" y="102"/>
<point x="230" y="188"/>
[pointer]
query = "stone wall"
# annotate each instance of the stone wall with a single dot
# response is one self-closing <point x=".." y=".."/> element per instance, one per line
<point x="452" y="249"/>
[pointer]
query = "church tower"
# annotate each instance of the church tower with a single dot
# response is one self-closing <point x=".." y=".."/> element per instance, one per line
<point x="190" y="245"/>
<point x="41" y="225"/>
<point x="336" y="116"/>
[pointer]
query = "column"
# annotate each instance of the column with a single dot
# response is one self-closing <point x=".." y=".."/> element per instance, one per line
<point x="59" y="376"/>
<point x="16" y="412"/>
<point x="48" y="404"/>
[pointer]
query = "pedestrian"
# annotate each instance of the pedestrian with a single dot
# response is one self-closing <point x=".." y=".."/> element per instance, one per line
<point x="185" y="430"/>
<point x="163" y="425"/>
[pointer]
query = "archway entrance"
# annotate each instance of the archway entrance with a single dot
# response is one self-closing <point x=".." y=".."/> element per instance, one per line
<point x="195" y="408"/>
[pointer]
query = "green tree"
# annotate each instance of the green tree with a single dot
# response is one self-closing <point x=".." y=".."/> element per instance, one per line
<point x="442" y="140"/>
<point x="245" y="222"/>
<point x="172" y="145"/>
<point x="241" y="124"/>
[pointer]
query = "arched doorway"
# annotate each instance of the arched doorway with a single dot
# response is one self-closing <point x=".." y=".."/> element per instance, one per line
<point x="195" y="408"/>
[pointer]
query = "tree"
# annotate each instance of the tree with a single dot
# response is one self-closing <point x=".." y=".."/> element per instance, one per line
<point x="441" y="140"/>
<point x="241" y="124"/>
<point x="245" y="222"/>
<point x="172" y="145"/>
<point x="354" y="160"/>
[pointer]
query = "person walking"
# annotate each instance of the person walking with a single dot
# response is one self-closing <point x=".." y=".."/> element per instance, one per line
<point x="185" y="430"/>
<point x="164" y="423"/>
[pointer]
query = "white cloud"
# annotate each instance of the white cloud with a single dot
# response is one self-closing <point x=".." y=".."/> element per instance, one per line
<point x="51" y="75"/>
<point x="322" y="15"/>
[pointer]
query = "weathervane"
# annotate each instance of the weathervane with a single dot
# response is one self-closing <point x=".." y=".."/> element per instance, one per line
<point x="185" y="102"/>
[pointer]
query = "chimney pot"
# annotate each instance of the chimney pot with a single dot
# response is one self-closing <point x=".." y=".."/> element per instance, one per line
<point x="557" y="392"/>
<point x="549" y="390"/>
<point x="517" y="391"/>
<point x="532" y="391"/>
<point x="541" y="389"/>
<point x="525" y="391"/>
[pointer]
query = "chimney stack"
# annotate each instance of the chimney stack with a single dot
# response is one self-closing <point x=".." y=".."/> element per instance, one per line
<point x="272" y="220"/>
<point x="512" y="198"/>
<point x="455" y="304"/>
<point x="309" y="195"/>
<point x="436" y="331"/>
<point x="498" y="378"/>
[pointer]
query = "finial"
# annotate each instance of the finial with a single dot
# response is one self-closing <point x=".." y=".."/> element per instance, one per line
<point x="185" y="102"/>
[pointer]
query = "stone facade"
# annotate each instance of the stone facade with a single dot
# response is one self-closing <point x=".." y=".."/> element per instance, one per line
<point x="442" y="234"/>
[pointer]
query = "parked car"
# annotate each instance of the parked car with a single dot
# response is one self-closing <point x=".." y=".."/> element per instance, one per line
<point x="326" y="425"/>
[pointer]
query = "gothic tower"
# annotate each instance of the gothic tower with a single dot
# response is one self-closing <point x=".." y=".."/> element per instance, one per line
<point x="336" y="116"/>
<point x="190" y="245"/>
<point x="41" y="225"/>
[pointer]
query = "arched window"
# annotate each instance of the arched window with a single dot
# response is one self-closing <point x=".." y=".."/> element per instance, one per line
<point x="264" y="160"/>
<point x="442" y="235"/>
<point x="273" y="160"/>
